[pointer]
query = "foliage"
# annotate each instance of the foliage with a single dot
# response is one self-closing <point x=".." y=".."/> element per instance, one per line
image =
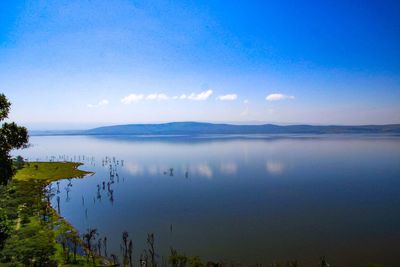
<point x="4" y="227"/>
<point x="30" y="241"/>
<point x="176" y="259"/>
<point x="31" y="227"/>
<point x="12" y="136"/>
<point x="32" y="246"/>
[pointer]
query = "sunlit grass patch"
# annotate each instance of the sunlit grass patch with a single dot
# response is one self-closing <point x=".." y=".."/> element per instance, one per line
<point x="49" y="171"/>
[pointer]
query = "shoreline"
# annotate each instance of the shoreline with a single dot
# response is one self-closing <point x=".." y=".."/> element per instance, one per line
<point x="28" y="192"/>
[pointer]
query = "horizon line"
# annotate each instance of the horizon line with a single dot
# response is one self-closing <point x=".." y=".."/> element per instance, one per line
<point x="219" y="123"/>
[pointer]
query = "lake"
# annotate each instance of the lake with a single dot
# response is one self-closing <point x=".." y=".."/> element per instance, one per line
<point x="247" y="200"/>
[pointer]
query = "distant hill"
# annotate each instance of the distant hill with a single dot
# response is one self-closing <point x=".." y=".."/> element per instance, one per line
<point x="198" y="128"/>
<point x="56" y="132"/>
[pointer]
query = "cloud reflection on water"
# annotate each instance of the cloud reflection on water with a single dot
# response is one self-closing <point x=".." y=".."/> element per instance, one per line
<point x="205" y="170"/>
<point x="274" y="167"/>
<point x="229" y="168"/>
<point x="134" y="168"/>
<point x="200" y="169"/>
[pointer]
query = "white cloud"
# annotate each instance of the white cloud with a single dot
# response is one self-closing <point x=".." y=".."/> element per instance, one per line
<point x="246" y="101"/>
<point x="151" y="96"/>
<point x="157" y="97"/>
<point x="198" y="97"/>
<point x="132" y="98"/>
<point x="277" y="97"/>
<point x="101" y="103"/>
<point x="228" y="97"/>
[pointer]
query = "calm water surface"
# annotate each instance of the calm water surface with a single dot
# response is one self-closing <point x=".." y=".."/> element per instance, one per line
<point x="242" y="200"/>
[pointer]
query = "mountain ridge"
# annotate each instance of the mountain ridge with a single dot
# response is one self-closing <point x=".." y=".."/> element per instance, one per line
<point x="203" y="128"/>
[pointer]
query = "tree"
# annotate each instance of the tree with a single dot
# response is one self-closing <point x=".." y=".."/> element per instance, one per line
<point x="28" y="248"/>
<point x="125" y="236"/>
<point x="130" y="251"/>
<point x="75" y="242"/>
<point x="89" y="237"/>
<point x="4" y="227"/>
<point x="150" y="243"/>
<point x="12" y="136"/>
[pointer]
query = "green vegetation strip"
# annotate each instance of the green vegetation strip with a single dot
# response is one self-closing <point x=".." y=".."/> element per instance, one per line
<point x="49" y="171"/>
<point x="31" y="232"/>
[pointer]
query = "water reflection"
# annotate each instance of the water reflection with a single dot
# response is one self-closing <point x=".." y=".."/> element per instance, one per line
<point x="134" y="168"/>
<point x="274" y="167"/>
<point x="153" y="170"/>
<point x="203" y="169"/>
<point x="215" y="192"/>
<point x="229" y="168"/>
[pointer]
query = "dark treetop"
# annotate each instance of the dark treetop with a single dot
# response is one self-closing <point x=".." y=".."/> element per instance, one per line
<point x="12" y="136"/>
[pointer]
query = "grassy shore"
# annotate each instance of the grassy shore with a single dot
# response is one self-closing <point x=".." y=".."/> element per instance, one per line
<point x="32" y="229"/>
<point x="49" y="171"/>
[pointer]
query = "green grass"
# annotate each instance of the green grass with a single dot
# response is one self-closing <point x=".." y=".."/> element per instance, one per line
<point x="49" y="171"/>
<point x="23" y="202"/>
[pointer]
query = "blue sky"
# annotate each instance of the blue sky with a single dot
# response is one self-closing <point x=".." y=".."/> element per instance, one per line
<point x="78" y="64"/>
